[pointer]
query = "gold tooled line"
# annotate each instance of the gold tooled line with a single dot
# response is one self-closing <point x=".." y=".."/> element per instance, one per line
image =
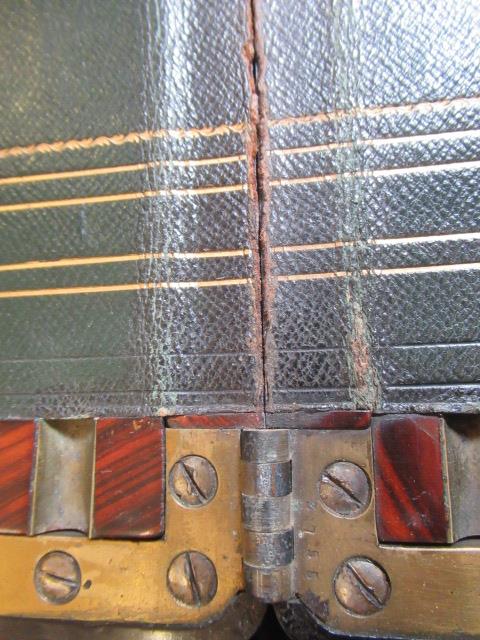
<point x="339" y="114"/>
<point x="437" y="268"/>
<point x="132" y="257"/>
<point x="120" y="139"/>
<point x="419" y="169"/>
<point x="119" y="197"/>
<point x="99" y="171"/>
<point x="64" y="291"/>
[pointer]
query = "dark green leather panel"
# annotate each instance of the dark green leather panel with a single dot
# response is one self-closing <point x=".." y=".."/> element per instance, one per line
<point x="89" y="86"/>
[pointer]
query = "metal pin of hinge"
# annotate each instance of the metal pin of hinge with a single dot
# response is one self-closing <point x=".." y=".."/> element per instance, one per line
<point x="266" y="486"/>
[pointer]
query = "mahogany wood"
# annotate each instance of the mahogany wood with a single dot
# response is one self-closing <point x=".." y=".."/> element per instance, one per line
<point x="129" y="478"/>
<point x="17" y="452"/>
<point x="214" y="421"/>
<point x="410" y="495"/>
<point x="320" y="420"/>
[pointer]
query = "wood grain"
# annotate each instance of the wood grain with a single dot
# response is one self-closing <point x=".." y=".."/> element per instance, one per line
<point x="17" y="452"/>
<point x="320" y="420"/>
<point x="410" y="495"/>
<point x="217" y="421"/>
<point x="129" y="499"/>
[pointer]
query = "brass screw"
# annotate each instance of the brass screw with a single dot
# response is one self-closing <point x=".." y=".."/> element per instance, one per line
<point x="57" y="577"/>
<point x="192" y="579"/>
<point x="193" y="481"/>
<point x="345" y="489"/>
<point x="361" y="586"/>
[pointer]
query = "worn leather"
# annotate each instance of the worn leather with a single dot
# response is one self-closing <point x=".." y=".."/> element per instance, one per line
<point x="378" y="100"/>
<point x="85" y="69"/>
<point x="389" y="90"/>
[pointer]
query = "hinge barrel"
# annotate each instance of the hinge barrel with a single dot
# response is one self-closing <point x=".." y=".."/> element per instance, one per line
<point x="266" y="486"/>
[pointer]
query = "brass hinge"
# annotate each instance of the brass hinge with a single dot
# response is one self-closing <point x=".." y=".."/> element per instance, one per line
<point x="266" y="486"/>
<point x="344" y="529"/>
<point x="354" y="528"/>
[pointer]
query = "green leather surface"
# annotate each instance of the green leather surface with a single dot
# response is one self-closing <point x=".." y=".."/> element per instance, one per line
<point x="89" y="85"/>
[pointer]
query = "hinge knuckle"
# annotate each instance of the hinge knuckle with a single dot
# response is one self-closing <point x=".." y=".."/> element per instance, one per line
<point x="266" y="485"/>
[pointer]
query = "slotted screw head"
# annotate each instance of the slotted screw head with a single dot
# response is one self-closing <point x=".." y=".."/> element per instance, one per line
<point x="192" y="579"/>
<point x="57" y="577"/>
<point x="193" y="481"/>
<point x="345" y="489"/>
<point x="362" y="587"/>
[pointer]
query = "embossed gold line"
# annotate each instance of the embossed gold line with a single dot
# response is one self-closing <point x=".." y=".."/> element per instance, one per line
<point x="119" y="197"/>
<point x="438" y="268"/>
<point x="378" y="142"/>
<point x="100" y="171"/>
<point x="319" y="246"/>
<point x="338" y="244"/>
<point x="419" y="107"/>
<point x="422" y="169"/>
<point x="442" y="268"/>
<point x="312" y="276"/>
<point x="133" y="137"/>
<point x="65" y="291"/>
<point x="59" y="146"/>
<point x="446" y="237"/>
<point x="133" y="257"/>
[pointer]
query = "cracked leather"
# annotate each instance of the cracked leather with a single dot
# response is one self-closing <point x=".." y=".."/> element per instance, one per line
<point x="159" y="91"/>
<point x="373" y="220"/>
<point x="129" y="230"/>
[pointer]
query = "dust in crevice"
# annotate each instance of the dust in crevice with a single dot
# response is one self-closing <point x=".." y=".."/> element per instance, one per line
<point x="346" y="29"/>
<point x="251" y="149"/>
<point x="261" y="176"/>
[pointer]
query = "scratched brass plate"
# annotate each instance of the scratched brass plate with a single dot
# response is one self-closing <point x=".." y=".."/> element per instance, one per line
<point x="126" y="581"/>
<point x="435" y="591"/>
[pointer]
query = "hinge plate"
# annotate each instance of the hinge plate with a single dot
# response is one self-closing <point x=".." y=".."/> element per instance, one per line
<point x="286" y="515"/>
<point x="349" y="582"/>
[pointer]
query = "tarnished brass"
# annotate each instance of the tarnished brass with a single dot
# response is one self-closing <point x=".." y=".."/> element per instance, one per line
<point x="57" y="577"/>
<point x="127" y="581"/>
<point x="361" y="586"/>
<point x="435" y="590"/>
<point x="192" y="579"/>
<point x="63" y="476"/>
<point x="270" y="521"/>
<point x="238" y="621"/>
<point x="344" y="489"/>
<point x="193" y="481"/>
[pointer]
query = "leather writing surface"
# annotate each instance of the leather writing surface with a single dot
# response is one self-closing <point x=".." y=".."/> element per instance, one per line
<point x="373" y="222"/>
<point x="123" y="174"/>
<point x="130" y="273"/>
